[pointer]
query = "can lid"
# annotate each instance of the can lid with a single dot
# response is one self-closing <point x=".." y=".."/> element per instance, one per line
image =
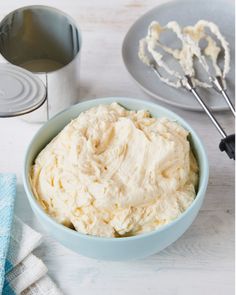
<point x="21" y="91"/>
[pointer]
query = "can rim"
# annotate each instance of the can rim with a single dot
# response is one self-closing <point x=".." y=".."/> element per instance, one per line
<point x="74" y="22"/>
<point x="27" y="81"/>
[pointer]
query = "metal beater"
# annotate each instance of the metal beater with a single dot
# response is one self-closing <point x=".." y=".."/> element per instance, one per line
<point x="227" y="143"/>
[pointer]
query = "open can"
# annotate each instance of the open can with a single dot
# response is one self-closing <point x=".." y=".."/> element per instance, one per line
<point x="40" y="56"/>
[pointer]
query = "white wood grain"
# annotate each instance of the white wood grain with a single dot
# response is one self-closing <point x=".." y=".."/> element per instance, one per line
<point x="202" y="261"/>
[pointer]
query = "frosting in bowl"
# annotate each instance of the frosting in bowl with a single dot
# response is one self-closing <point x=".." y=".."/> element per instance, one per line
<point x="112" y="172"/>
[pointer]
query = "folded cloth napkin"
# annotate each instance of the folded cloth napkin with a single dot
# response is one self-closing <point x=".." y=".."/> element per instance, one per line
<point x="21" y="272"/>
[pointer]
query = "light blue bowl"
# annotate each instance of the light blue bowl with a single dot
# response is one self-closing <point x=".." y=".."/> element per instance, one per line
<point x="113" y="248"/>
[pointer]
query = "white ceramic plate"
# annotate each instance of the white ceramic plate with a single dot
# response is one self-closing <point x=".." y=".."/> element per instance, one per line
<point x="185" y="12"/>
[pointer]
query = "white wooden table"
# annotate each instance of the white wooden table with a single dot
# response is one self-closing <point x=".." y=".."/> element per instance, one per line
<point x="202" y="261"/>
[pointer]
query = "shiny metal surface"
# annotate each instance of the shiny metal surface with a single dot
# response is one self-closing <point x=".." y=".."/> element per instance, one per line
<point x="46" y="42"/>
<point x="21" y="92"/>
<point x="220" y="86"/>
<point x="190" y="87"/>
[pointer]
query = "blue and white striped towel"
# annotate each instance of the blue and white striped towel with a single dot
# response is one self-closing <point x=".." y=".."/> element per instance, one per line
<point x="21" y="272"/>
<point x="7" y="197"/>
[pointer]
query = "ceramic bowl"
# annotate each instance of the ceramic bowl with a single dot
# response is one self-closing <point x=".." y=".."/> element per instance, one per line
<point x="115" y="248"/>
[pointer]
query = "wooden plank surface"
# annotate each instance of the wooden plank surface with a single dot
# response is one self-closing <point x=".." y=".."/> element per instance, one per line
<point x="202" y="261"/>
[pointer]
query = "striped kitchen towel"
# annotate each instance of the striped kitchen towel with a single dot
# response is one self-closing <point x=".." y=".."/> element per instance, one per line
<point x="24" y="272"/>
<point x="21" y="272"/>
<point x="7" y="197"/>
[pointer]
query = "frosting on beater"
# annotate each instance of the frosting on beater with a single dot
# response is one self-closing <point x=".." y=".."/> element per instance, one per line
<point x="190" y="37"/>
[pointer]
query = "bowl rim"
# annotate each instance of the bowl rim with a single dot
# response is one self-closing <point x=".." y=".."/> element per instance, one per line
<point x="108" y="100"/>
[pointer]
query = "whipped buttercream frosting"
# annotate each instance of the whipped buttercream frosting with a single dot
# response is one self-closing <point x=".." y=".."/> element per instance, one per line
<point x="152" y="49"/>
<point x="112" y="172"/>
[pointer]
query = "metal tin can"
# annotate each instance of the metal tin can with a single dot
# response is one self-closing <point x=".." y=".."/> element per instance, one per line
<point x="46" y="42"/>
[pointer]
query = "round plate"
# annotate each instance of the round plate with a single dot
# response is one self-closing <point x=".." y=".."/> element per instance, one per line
<point x="185" y="12"/>
<point x="21" y="91"/>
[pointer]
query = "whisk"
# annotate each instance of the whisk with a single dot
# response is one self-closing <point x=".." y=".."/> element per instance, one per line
<point x="227" y="142"/>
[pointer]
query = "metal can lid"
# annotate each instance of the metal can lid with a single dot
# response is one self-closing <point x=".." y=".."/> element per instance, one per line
<point x="21" y="91"/>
